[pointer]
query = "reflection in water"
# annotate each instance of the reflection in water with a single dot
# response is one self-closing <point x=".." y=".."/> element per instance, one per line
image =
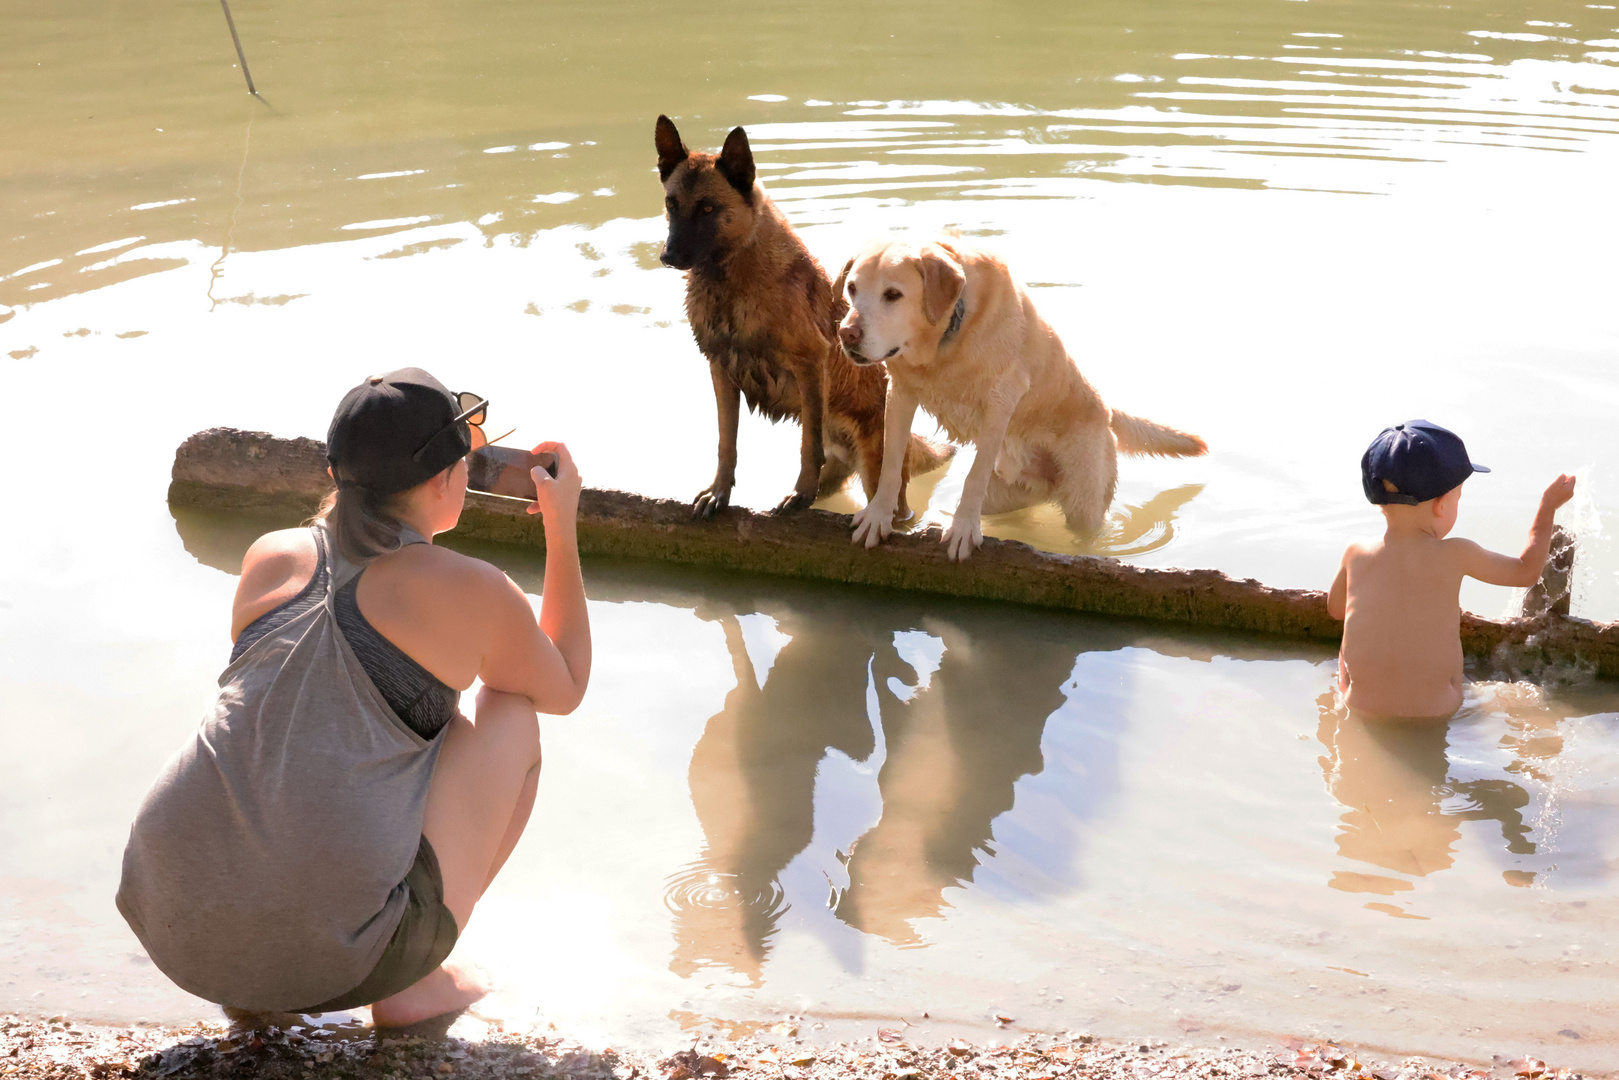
<point x="753" y="776"/>
<point x="1136" y="530"/>
<point x="1403" y="805"/>
<point x="955" y="749"/>
<point x="218" y="265"/>
<point x="1129" y="530"/>
<point x="961" y="715"/>
<point x="220" y="539"/>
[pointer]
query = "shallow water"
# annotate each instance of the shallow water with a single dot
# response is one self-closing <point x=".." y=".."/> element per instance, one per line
<point x="1281" y="226"/>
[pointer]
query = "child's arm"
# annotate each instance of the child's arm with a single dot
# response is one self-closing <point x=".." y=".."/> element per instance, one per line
<point x="1496" y="569"/>
<point x="1338" y="595"/>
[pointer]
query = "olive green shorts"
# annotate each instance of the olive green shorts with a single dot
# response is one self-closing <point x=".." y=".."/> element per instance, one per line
<point x="424" y="937"/>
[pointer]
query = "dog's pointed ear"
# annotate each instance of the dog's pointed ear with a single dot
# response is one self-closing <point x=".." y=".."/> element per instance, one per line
<point x="942" y="282"/>
<point x="671" y="151"/>
<point x="736" y="162"/>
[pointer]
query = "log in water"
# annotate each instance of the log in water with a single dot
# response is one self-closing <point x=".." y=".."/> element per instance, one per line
<point x="227" y="469"/>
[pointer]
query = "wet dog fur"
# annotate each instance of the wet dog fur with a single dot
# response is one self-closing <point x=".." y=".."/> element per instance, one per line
<point x="961" y="339"/>
<point x="765" y="315"/>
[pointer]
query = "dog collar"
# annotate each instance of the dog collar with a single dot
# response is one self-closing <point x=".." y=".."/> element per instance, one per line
<point x="956" y="316"/>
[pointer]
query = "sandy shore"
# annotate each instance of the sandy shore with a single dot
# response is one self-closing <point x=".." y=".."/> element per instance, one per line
<point x="59" y="1048"/>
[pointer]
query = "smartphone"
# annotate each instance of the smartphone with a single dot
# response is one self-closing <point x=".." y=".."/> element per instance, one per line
<point x="501" y="470"/>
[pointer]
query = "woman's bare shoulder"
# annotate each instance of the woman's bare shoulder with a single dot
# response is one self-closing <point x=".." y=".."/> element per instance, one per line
<point x="277" y="565"/>
<point x="282" y="551"/>
<point x="435" y="567"/>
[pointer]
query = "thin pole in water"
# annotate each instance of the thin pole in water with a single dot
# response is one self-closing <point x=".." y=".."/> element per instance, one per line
<point x="230" y="22"/>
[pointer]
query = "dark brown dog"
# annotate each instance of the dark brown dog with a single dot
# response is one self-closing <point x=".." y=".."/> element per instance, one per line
<point x="765" y="315"/>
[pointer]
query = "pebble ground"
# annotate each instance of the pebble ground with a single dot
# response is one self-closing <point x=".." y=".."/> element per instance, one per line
<point x="61" y="1049"/>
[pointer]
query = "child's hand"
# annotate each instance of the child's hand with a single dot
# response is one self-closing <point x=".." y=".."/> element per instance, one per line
<point x="1558" y="492"/>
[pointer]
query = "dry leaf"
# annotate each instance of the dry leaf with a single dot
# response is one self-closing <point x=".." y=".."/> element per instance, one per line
<point x="960" y="1047"/>
<point x="804" y="1058"/>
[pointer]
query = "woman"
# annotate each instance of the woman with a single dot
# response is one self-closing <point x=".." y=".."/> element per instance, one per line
<point x="324" y="839"/>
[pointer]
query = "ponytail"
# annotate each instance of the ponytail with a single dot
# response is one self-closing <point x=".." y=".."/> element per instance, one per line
<point x="362" y="524"/>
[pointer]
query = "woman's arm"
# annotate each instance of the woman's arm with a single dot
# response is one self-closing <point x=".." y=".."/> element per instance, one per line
<point x="548" y="662"/>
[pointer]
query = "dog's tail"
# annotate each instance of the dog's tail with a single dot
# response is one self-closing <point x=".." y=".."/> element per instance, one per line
<point x="922" y="456"/>
<point x="1138" y="436"/>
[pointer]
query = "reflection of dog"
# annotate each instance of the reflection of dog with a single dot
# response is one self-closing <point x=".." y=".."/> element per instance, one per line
<point x="960" y="338"/>
<point x="954" y="754"/>
<point x="753" y="773"/>
<point x="765" y="316"/>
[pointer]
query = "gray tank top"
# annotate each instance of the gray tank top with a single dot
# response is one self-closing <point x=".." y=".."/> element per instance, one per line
<point x="265" y="869"/>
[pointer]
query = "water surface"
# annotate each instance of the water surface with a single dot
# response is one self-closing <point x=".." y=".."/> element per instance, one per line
<point x="1281" y="225"/>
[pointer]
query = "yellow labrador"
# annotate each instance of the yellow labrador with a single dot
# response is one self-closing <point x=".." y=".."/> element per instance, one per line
<point x="961" y="339"/>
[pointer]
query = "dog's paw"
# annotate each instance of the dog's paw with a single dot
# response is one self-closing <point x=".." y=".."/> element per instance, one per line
<point x="872" y="524"/>
<point x="962" y="538"/>
<point x="710" y="501"/>
<point x="793" y="503"/>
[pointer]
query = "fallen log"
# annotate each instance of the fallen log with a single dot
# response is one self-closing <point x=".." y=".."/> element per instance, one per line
<point x="228" y="469"/>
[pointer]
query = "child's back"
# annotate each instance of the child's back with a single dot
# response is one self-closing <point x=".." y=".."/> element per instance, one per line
<point x="1402" y="649"/>
<point x="1399" y="596"/>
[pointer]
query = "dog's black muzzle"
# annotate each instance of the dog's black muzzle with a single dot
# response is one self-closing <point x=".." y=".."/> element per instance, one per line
<point x="677" y="260"/>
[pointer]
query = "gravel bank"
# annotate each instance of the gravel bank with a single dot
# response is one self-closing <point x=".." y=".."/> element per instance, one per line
<point x="59" y="1049"/>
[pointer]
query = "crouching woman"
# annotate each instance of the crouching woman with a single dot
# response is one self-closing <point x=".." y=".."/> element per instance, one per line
<point x="324" y="838"/>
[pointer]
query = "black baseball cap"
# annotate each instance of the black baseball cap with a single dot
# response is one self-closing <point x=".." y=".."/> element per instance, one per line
<point x="1421" y="460"/>
<point x="395" y="431"/>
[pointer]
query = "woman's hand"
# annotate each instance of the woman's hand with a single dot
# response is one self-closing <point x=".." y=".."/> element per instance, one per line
<point x="558" y="496"/>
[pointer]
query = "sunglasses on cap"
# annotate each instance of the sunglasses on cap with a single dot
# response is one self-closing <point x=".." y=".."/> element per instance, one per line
<point x="474" y="411"/>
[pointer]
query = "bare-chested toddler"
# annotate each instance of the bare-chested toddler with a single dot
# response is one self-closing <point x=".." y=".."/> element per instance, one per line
<point x="1399" y="596"/>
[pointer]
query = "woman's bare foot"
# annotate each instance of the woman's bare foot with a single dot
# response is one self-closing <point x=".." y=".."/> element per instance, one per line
<point x="451" y="988"/>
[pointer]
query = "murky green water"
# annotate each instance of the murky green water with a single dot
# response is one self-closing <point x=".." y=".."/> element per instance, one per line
<point x="1281" y="225"/>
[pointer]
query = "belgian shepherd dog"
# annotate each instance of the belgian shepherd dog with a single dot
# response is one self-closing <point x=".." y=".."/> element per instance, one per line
<point x="765" y="315"/>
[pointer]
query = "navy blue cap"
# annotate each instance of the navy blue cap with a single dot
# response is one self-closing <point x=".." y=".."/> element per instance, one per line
<point x="1421" y="460"/>
<point x="395" y="431"/>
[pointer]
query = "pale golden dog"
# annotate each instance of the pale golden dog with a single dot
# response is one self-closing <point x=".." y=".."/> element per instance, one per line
<point x="962" y="339"/>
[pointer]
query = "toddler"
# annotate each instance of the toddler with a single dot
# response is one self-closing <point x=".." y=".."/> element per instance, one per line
<point x="1398" y="596"/>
